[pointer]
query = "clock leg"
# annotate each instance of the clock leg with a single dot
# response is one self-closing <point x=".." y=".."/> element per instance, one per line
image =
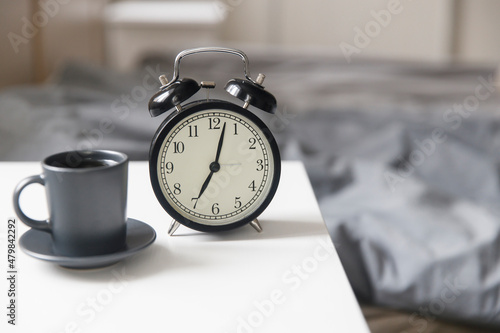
<point x="256" y="225"/>
<point x="173" y="227"/>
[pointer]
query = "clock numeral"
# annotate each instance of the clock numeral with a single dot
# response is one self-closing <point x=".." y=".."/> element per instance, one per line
<point x="260" y="165"/>
<point x="195" y="202"/>
<point x="177" y="189"/>
<point x="213" y="123"/>
<point x="237" y="202"/>
<point x="252" y="186"/>
<point x="178" y="147"/>
<point x="215" y="209"/>
<point x="170" y="167"/>
<point x="193" y="131"/>
<point x="252" y="143"/>
<point x="235" y="129"/>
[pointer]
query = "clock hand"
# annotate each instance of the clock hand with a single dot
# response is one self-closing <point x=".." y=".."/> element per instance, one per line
<point x="219" y="147"/>
<point x="214" y="166"/>
<point x="203" y="188"/>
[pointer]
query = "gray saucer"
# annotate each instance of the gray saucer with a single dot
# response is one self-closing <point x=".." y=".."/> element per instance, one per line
<point x="38" y="244"/>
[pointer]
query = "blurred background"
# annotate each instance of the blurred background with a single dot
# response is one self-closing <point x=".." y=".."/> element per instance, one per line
<point x="392" y="105"/>
<point x="46" y="33"/>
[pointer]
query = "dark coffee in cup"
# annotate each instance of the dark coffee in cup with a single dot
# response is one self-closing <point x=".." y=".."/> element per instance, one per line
<point x="87" y="196"/>
<point x="86" y="163"/>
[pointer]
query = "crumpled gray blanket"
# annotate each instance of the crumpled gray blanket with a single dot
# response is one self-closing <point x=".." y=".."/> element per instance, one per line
<point x="403" y="159"/>
<point x="422" y="236"/>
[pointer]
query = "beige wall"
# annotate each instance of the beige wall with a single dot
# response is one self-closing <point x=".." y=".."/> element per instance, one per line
<point x="478" y="31"/>
<point x="15" y="67"/>
<point x="397" y="28"/>
<point x="420" y="30"/>
<point x="37" y="35"/>
<point x="73" y="34"/>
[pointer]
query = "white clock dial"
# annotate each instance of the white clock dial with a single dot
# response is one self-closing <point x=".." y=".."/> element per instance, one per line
<point x="215" y="167"/>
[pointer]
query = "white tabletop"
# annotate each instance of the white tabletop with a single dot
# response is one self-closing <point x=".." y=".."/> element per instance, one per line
<point x="286" y="279"/>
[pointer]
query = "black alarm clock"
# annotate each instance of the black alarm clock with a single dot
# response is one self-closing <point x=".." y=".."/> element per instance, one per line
<point x="213" y="164"/>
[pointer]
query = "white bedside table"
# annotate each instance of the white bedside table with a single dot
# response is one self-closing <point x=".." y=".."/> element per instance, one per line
<point x="286" y="279"/>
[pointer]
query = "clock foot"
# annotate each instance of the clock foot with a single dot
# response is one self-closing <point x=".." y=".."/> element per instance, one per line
<point x="256" y="225"/>
<point x="173" y="227"/>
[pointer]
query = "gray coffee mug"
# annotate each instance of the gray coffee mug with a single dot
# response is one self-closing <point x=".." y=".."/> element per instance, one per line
<point x="87" y="197"/>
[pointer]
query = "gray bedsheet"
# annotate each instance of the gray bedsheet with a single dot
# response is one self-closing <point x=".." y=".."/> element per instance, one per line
<point x="403" y="159"/>
<point x="423" y="238"/>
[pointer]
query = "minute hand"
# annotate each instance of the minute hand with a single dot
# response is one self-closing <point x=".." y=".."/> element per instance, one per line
<point x="221" y="140"/>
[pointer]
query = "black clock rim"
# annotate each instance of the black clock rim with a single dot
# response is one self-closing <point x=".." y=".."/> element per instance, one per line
<point x="160" y="136"/>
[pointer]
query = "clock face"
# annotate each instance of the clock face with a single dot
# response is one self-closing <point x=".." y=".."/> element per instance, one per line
<point x="214" y="166"/>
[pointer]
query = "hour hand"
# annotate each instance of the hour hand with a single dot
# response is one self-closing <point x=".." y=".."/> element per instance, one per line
<point x="203" y="188"/>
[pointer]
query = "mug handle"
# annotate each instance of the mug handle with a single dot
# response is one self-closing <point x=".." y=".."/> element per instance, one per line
<point x="43" y="225"/>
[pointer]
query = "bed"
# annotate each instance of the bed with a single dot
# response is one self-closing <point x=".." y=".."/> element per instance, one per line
<point x="403" y="158"/>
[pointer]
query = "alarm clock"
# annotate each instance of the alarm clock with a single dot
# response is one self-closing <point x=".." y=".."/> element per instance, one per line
<point x="213" y="164"/>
